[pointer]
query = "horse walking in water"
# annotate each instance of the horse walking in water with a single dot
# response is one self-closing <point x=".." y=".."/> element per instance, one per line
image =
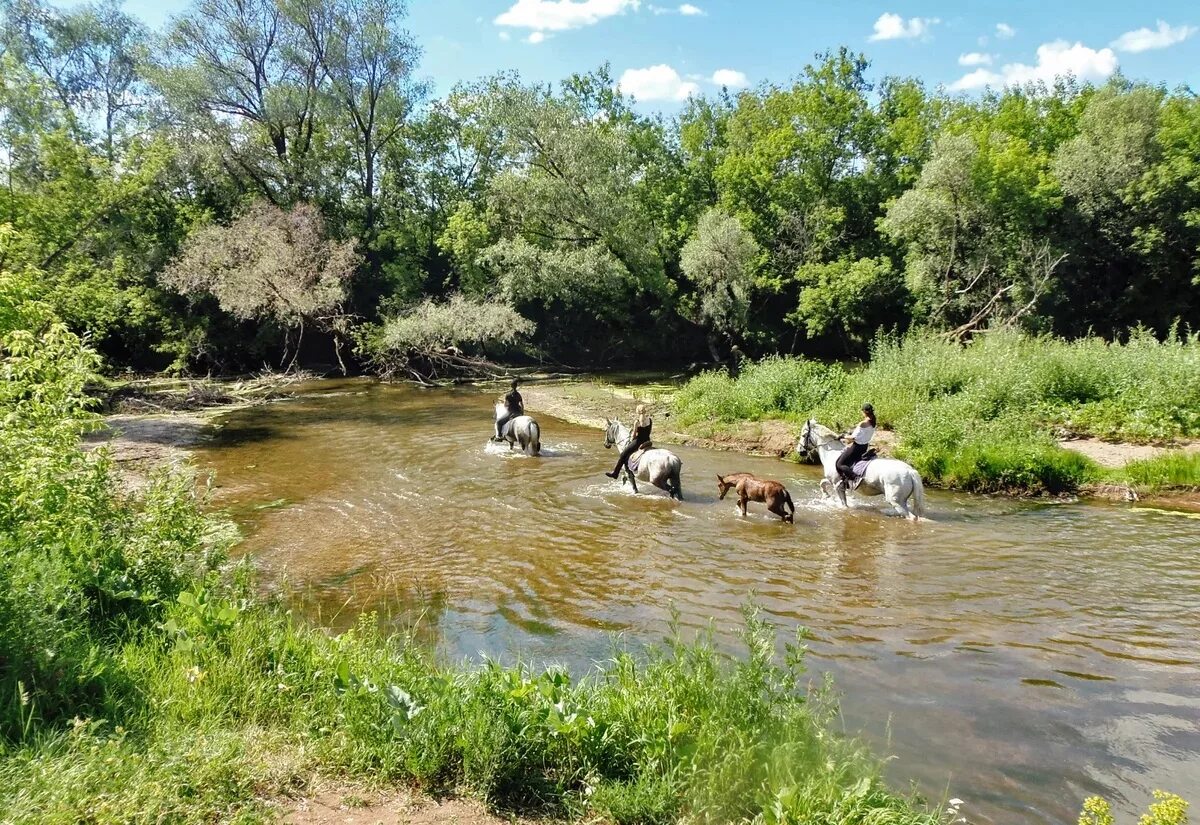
<point x="751" y="488"/>
<point x="896" y="481"/>
<point x="659" y="467"/>
<point x="521" y="430"/>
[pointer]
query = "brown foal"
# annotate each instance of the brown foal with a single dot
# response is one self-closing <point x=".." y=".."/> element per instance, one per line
<point x="750" y="488"/>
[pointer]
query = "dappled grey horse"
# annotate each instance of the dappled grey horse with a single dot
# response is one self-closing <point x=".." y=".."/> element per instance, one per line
<point x="659" y="467"/>
<point x="520" y="430"/>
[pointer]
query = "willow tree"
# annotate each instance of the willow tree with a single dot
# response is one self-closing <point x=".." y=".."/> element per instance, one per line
<point x="720" y="260"/>
<point x="271" y="265"/>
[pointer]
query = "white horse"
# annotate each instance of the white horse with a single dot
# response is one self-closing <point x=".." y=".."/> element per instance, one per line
<point x="659" y="467"/>
<point x="521" y="430"/>
<point x="892" y="479"/>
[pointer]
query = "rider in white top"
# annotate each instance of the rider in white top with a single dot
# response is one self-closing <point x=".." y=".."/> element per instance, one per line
<point x="859" y="439"/>
<point x="863" y="433"/>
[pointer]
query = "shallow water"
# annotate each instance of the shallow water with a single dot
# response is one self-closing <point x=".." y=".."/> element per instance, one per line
<point x="1018" y="656"/>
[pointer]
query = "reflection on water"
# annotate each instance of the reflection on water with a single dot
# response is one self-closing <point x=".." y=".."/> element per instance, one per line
<point x="1018" y="656"/>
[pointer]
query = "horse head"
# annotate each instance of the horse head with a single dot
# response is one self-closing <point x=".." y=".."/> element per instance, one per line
<point x="808" y="439"/>
<point x="724" y="486"/>
<point x="611" y="432"/>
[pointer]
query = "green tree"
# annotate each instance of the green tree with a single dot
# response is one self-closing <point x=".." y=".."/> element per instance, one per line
<point x="272" y="265"/>
<point x="720" y="260"/>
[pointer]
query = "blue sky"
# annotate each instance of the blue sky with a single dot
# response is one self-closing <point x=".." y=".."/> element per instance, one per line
<point x="663" y="51"/>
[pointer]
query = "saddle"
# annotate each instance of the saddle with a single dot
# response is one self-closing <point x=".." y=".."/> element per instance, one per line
<point x="860" y="467"/>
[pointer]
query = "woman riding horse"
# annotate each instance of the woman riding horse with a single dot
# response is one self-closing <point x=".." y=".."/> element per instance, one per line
<point x="860" y="439"/>
<point x="642" y="423"/>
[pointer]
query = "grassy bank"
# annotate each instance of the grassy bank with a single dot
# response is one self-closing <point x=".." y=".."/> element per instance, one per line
<point x="986" y="416"/>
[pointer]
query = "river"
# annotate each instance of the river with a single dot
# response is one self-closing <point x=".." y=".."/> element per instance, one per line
<point x="1017" y="655"/>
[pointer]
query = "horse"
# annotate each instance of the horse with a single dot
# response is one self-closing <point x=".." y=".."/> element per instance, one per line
<point x="659" y="467"/>
<point x="893" y="479"/>
<point x="521" y="430"/>
<point x="751" y="488"/>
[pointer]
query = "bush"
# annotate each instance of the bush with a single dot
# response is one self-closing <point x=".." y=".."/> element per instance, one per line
<point x="773" y="387"/>
<point x="81" y="562"/>
<point x="436" y="331"/>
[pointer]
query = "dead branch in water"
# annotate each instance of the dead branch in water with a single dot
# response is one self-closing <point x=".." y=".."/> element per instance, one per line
<point x="159" y="395"/>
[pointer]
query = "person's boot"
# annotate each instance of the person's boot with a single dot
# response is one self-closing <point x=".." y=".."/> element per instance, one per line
<point x="613" y="475"/>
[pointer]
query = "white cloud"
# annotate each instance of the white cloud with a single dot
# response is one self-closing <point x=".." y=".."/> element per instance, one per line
<point x="894" y="27"/>
<point x="730" y="78"/>
<point x="1054" y="60"/>
<point x="535" y="37"/>
<point x="687" y="10"/>
<point x="1005" y="31"/>
<point x="504" y="35"/>
<point x="659" y="82"/>
<point x="974" y="59"/>
<point x="559" y="15"/>
<point x="1144" y="39"/>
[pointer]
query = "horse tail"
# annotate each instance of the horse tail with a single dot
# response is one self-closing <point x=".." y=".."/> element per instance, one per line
<point x="787" y="499"/>
<point x="675" y="482"/>
<point x="918" y="494"/>
<point x="535" y="438"/>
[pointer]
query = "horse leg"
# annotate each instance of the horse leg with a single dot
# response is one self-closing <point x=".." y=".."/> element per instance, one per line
<point x="742" y="504"/>
<point x="897" y="499"/>
<point x="826" y="488"/>
<point x="631" y="479"/>
<point x="775" y="505"/>
<point x="840" y="488"/>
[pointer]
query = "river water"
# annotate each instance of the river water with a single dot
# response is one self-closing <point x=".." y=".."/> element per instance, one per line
<point x="1019" y="656"/>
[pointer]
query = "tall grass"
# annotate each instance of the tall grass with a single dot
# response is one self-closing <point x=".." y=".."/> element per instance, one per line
<point x="982" y="416"/>
<point x="1175" y="470"/>
<point x="239" y="701"/>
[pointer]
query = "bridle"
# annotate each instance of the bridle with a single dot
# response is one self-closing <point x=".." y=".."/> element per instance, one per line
<point x="611" y="431"/>
<point x="808" y="444"/>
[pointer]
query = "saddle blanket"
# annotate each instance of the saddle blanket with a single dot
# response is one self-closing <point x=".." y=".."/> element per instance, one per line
<point x="634" y="461"/>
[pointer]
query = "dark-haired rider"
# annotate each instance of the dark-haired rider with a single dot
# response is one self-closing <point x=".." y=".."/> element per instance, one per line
<point x="514" y="405"/>
<point x="859" y="440"/>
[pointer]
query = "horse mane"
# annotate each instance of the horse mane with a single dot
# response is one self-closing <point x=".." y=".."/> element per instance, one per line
<point x="821" y="431"/>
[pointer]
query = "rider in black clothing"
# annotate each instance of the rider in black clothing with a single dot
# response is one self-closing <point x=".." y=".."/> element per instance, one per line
<point x="514" y="405"/>
<point x="641" y="435"/>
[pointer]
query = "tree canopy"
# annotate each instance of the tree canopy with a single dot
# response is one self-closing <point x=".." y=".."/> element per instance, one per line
<point x="807" y="215"/>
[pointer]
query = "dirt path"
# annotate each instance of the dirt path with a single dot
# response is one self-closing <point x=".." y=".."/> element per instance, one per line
<point x="1115" y="456"/>
<point x="351" y="805"/>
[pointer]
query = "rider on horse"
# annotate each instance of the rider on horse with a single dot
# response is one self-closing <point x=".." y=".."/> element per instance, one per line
<point x="858" y="442"/>
<point x="642" y="423"/>
<point x="514" y="405"/>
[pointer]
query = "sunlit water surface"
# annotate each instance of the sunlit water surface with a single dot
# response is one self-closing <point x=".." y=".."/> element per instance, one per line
<point x="1018" y="656"/>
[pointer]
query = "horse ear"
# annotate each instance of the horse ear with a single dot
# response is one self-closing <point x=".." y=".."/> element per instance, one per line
<point x="720" y="479"/>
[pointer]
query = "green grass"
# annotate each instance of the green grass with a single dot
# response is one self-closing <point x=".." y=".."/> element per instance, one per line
<point x="985" y="416"/>
<point x="237" y="702"/>
<point x="1174" y="470"/>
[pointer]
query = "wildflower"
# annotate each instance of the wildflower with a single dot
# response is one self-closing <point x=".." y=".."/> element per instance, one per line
<point x="194" y="674"/>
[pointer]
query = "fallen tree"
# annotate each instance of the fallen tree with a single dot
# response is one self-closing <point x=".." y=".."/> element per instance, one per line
<point x="433" y="342"/>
